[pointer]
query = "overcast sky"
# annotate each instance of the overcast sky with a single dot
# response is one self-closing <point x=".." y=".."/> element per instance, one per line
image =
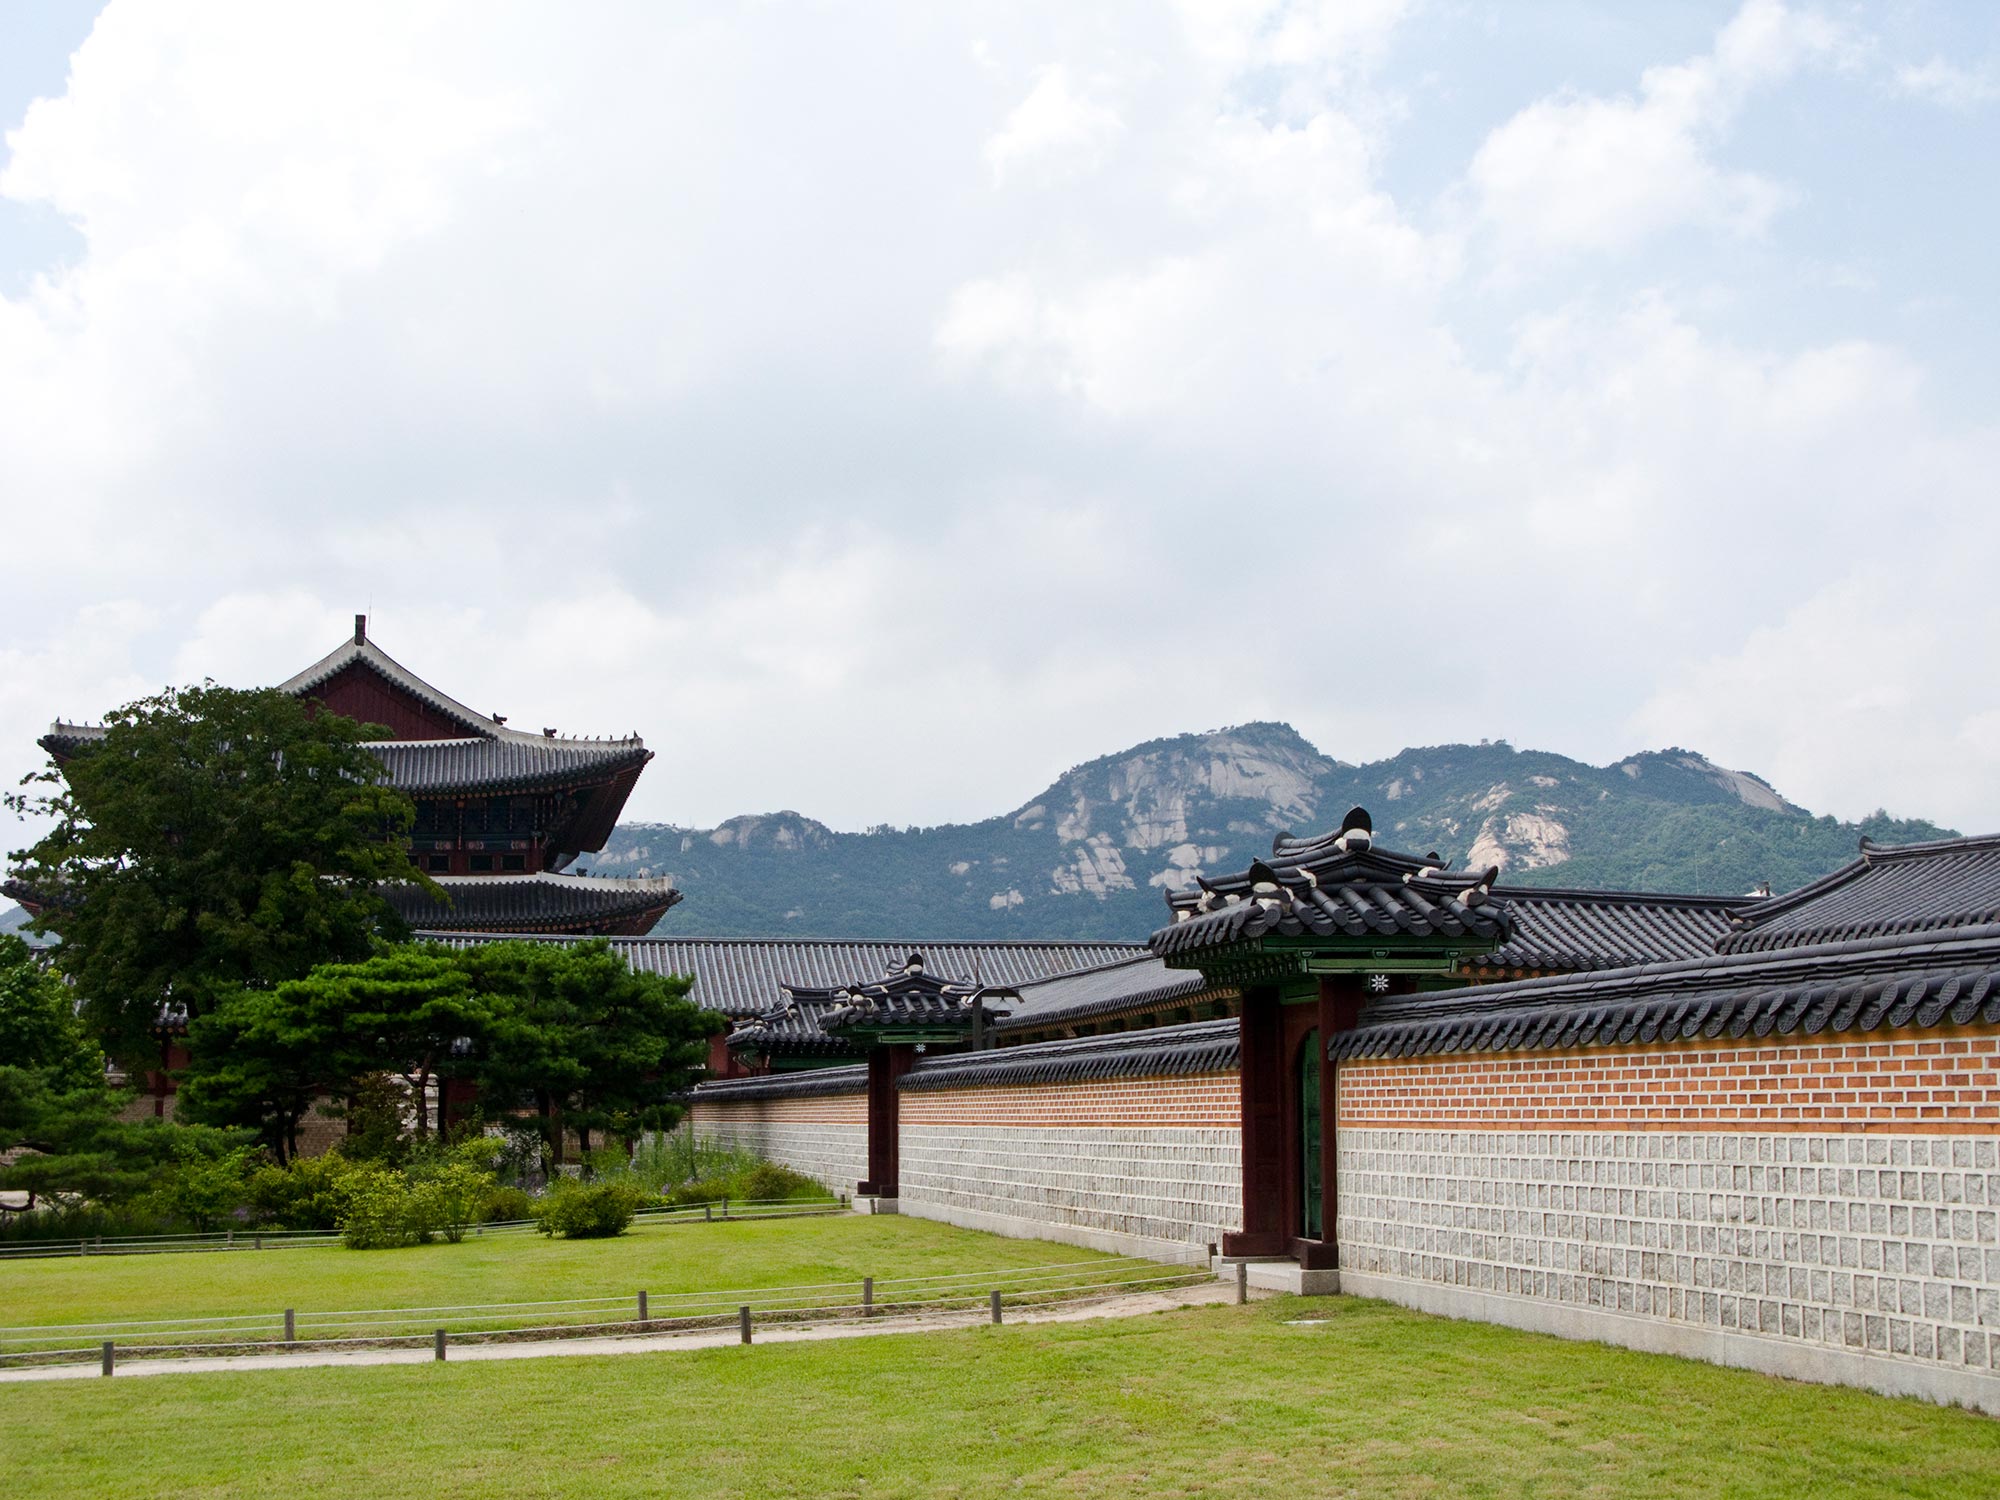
<point x="882" y="408"/>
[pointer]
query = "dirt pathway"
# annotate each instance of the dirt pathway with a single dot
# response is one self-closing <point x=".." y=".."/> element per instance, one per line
<point x="1127" y="1306"/>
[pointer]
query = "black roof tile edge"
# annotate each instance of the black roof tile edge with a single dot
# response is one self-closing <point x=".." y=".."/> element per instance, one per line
<point x="1194" y="1047"/>
<point x="1192" y="989"/>
<point x="812" y="1084"/>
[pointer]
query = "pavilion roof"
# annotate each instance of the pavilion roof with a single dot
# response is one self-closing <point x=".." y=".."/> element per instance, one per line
<point x="1908" y="888"/>
<point x="540" y="902"/>
<point x="1336" y="886"/>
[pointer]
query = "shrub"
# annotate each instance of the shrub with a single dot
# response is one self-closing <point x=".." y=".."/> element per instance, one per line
<point x="379" y="1212"/>
<point x="505" y="1205"/>
<point x="447" y="1199"/>
<point x="588" y="1210"/>
<point x="308" y="1194"/>
<point x="767" y="1180"/>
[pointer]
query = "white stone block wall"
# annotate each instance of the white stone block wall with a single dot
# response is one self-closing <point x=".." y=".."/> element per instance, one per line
<point x="1165" y="1191"/>
<point x="1858" y="1252"/>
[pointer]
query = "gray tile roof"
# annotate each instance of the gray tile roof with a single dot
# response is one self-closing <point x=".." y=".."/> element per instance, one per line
<point x="1906" y="888"/>
<point x="429" y="767"/>
<point x="543" y="901"/>
<point x="813" y="1084"/>
<point x="1197" y="1047"/>
<point x="1126" y="984"/>
<point x="795" y="1029"/>
<point x="1861" y="985"/>
<point x="1336" y="886"/>
<point x="745" y="977"/>
<point x="1565" y="929"/>
<point x="366" y="653"/>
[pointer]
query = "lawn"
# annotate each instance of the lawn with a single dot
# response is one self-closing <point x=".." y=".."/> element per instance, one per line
<point x="1219" y="1400"/>
<point x="516" y="1267"/>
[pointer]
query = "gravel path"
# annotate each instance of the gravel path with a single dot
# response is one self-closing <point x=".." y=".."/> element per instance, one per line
<point x="1130" y="1305"/>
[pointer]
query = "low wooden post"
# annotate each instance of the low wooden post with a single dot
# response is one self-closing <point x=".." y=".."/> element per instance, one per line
<point x="291" y="1326"/>
<point x="708" y="1213"/>
<point x="868" y="1296"/>
<point x="743" y="1321"/>
<point x="725" y="1205"/>
<point x="642" y="1307"/>
<point x="996" y="1304"/>
<point x="437" y="1347"/>
<point x="258" y="1243"/>
<point x="109" y="1359"/>
<point x="229" y="1239"/>
<point x="1242" y="1282"/>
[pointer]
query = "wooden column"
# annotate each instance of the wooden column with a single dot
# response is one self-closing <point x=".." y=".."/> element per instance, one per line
<point x="1340" y="1001"/>
<point x="885" y="1066"/>
<point x="1262" y="1075"/>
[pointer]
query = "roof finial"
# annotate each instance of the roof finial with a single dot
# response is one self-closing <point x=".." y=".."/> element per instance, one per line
<point x="360" y="630"/>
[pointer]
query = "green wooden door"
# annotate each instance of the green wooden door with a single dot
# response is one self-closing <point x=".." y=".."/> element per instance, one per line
<point x="1309" y="1163"/>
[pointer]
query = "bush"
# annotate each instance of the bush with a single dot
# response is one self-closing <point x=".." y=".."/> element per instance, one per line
<point x="768" y="1181"/>
<point x="308" y="1194"/>
<point x="379" y="1212"/>
<point x="697" y="1192"/>
<point x="505" y="1205"/>
<point x="588" y="1210"/>
<point x="447" y="1199"/>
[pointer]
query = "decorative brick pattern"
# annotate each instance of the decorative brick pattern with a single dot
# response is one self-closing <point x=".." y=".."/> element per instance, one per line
<point x="1885" y="1244"/>
<point x="1202" y="1101"/>
<point x="826" y="1138"/>
<point x="1925" y="1082"/>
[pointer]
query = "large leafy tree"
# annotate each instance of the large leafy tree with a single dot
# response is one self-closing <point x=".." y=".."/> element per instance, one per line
<point x="262" y="1058"/>
<point x="61" y="1135"/>
<point x="214" y="839"/>
<point x="580" y="1041"/>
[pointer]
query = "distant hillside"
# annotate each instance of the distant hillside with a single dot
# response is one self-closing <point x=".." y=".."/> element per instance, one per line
<point x="1091" y="856"/>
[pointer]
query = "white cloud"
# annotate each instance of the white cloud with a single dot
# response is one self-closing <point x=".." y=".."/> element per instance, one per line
<point x="1577" y="172"/>
<point x="1944" y="82"/>
<point x="684" y="372"/>
<point x="1058" y="131"/>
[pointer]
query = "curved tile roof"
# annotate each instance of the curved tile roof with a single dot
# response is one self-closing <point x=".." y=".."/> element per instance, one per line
<point x="746" y="977"/>
<point x="428" y="767"/>
<point x="1905" y="888"/>
<point x="1574" y="929"/>
<point x="814" y="1084"/>
<point x="1336" y="886"/>
<point x="544" y="900"/>
<point x="1196" y="1047"/>
<point x="1869" y="984"/>
<point x="1127" y="984"/>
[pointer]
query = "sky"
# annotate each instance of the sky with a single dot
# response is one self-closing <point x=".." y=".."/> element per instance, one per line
<point x="884" y="407"/>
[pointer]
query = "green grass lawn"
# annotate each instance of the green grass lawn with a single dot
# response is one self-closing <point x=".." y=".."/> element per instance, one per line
<point x="1217" y="1400"/>
<point x="517" y="1267"/>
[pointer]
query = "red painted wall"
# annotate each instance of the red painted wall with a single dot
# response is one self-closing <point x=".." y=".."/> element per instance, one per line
<point x="361" y="694"/>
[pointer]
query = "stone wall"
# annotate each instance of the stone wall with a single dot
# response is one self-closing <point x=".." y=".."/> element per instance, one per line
<point x="824" y="1135"/>
<point x="1141" y="1166"/>
<point x="1830" y="1211"/>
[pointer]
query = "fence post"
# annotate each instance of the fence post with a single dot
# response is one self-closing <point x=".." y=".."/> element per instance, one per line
<point x="868" y="1296"/>
<point x="438" y="1345"/>
<point x="109" y="1358"/>
<point x="996" y="1304"/>
<point x="642" y="1307"/>
<point x="708" y="1213"/>
<point x="291" y="1326"/>
<point x="258" y="1243"/>
<point x="229" y="1239"/>
<point x="1242" y="1282"/>
<point x="743" y="1321"/>
<point x="725" y="1205"/>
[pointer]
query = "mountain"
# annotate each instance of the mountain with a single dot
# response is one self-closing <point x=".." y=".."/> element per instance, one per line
<point x="1091" y="856"/>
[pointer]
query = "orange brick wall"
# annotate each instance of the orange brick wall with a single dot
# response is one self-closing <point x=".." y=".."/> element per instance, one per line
<point x="828" y="1109"/>
<point x="1202" y="1100"/>
<point x="1931" y="1082"/>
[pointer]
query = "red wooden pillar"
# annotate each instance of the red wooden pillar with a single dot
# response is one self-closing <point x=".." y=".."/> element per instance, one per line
<point x="1340" y="1000"/>
<point x="885" y="1066"/>
<point x="1262" y="1073"/>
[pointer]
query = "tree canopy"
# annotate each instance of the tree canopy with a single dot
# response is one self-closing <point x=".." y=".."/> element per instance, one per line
<point x="212" y="839"/>
<point x="556" y="1037"/>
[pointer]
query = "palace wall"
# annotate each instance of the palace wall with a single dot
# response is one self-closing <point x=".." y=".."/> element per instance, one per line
<point x="815" y="1123"/>
<point x="1827" y="1210"/>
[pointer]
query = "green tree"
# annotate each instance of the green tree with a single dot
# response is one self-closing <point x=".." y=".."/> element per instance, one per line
<point x="583" y="1041"/>
<point x="262" y="1057"/>
<point x="213" y="839"/>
